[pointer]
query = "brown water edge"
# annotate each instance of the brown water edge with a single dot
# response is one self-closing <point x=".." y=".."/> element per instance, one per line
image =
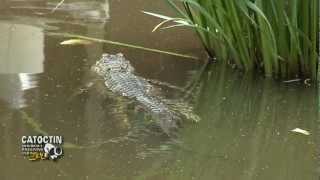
<point x="246" y="121"/>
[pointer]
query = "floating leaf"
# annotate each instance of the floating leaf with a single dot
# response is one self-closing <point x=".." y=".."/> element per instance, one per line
<point x="76" y="42"/>
<point x="91" y="39"/>
<point x="301" y="131"/>
<point x="58" y="5"/>
<point x="292" y="80"/>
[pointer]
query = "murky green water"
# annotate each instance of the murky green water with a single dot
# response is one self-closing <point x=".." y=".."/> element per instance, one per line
<point x="246" y="121"/>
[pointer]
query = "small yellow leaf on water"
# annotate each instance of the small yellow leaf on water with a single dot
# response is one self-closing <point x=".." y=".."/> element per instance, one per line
<point x="76" y="42"/>
<point x="301" y="131"/>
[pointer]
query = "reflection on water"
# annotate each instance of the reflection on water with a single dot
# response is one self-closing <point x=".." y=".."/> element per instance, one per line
<point x="246" y="121"/>
<point x="13" y="87"/>
<point x="21" y="48"/>
<point x="89" y="11"/>
<point x="245" y="132"/>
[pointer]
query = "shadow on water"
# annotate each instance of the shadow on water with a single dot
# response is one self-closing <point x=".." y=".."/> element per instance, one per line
<point x="246" y="121"/>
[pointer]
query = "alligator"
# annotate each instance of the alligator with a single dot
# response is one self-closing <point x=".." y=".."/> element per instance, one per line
<point x="119" y="77"/>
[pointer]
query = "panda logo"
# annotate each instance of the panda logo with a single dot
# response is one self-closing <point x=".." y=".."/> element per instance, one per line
<point x="53" y="152"/>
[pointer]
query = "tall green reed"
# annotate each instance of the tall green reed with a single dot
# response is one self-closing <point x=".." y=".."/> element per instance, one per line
<point x="278" y="36"/>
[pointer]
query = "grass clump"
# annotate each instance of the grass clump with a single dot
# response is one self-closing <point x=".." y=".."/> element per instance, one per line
<point x="278" y="36"/>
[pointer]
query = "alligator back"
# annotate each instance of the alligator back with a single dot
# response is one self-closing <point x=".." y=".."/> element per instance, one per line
<point x="120" y="78"/>
<point x="127" y="84"/>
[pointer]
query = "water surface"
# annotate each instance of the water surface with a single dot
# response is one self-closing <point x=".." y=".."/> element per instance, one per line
<point x="244" y="132"/>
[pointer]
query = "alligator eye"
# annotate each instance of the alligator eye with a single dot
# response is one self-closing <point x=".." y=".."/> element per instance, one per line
<point x="96" y="69"/>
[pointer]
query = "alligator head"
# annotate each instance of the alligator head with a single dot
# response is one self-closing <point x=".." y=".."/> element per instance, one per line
<point x="110" y="63"/>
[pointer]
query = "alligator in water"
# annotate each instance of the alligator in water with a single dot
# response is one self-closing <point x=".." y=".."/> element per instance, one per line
<point x="119" y="77"/>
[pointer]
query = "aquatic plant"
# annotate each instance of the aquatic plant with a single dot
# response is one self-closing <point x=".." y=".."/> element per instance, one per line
<point x="280" y="37"/>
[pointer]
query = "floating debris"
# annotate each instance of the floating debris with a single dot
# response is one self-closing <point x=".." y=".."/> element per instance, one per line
<point x="292" y="80"/>
<point x="76" y="42"/>
<point x="307" y="82"/>
<point x="58" y="5"/>
<point x="301" y="131"/>
<point x="120" y="44"/>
